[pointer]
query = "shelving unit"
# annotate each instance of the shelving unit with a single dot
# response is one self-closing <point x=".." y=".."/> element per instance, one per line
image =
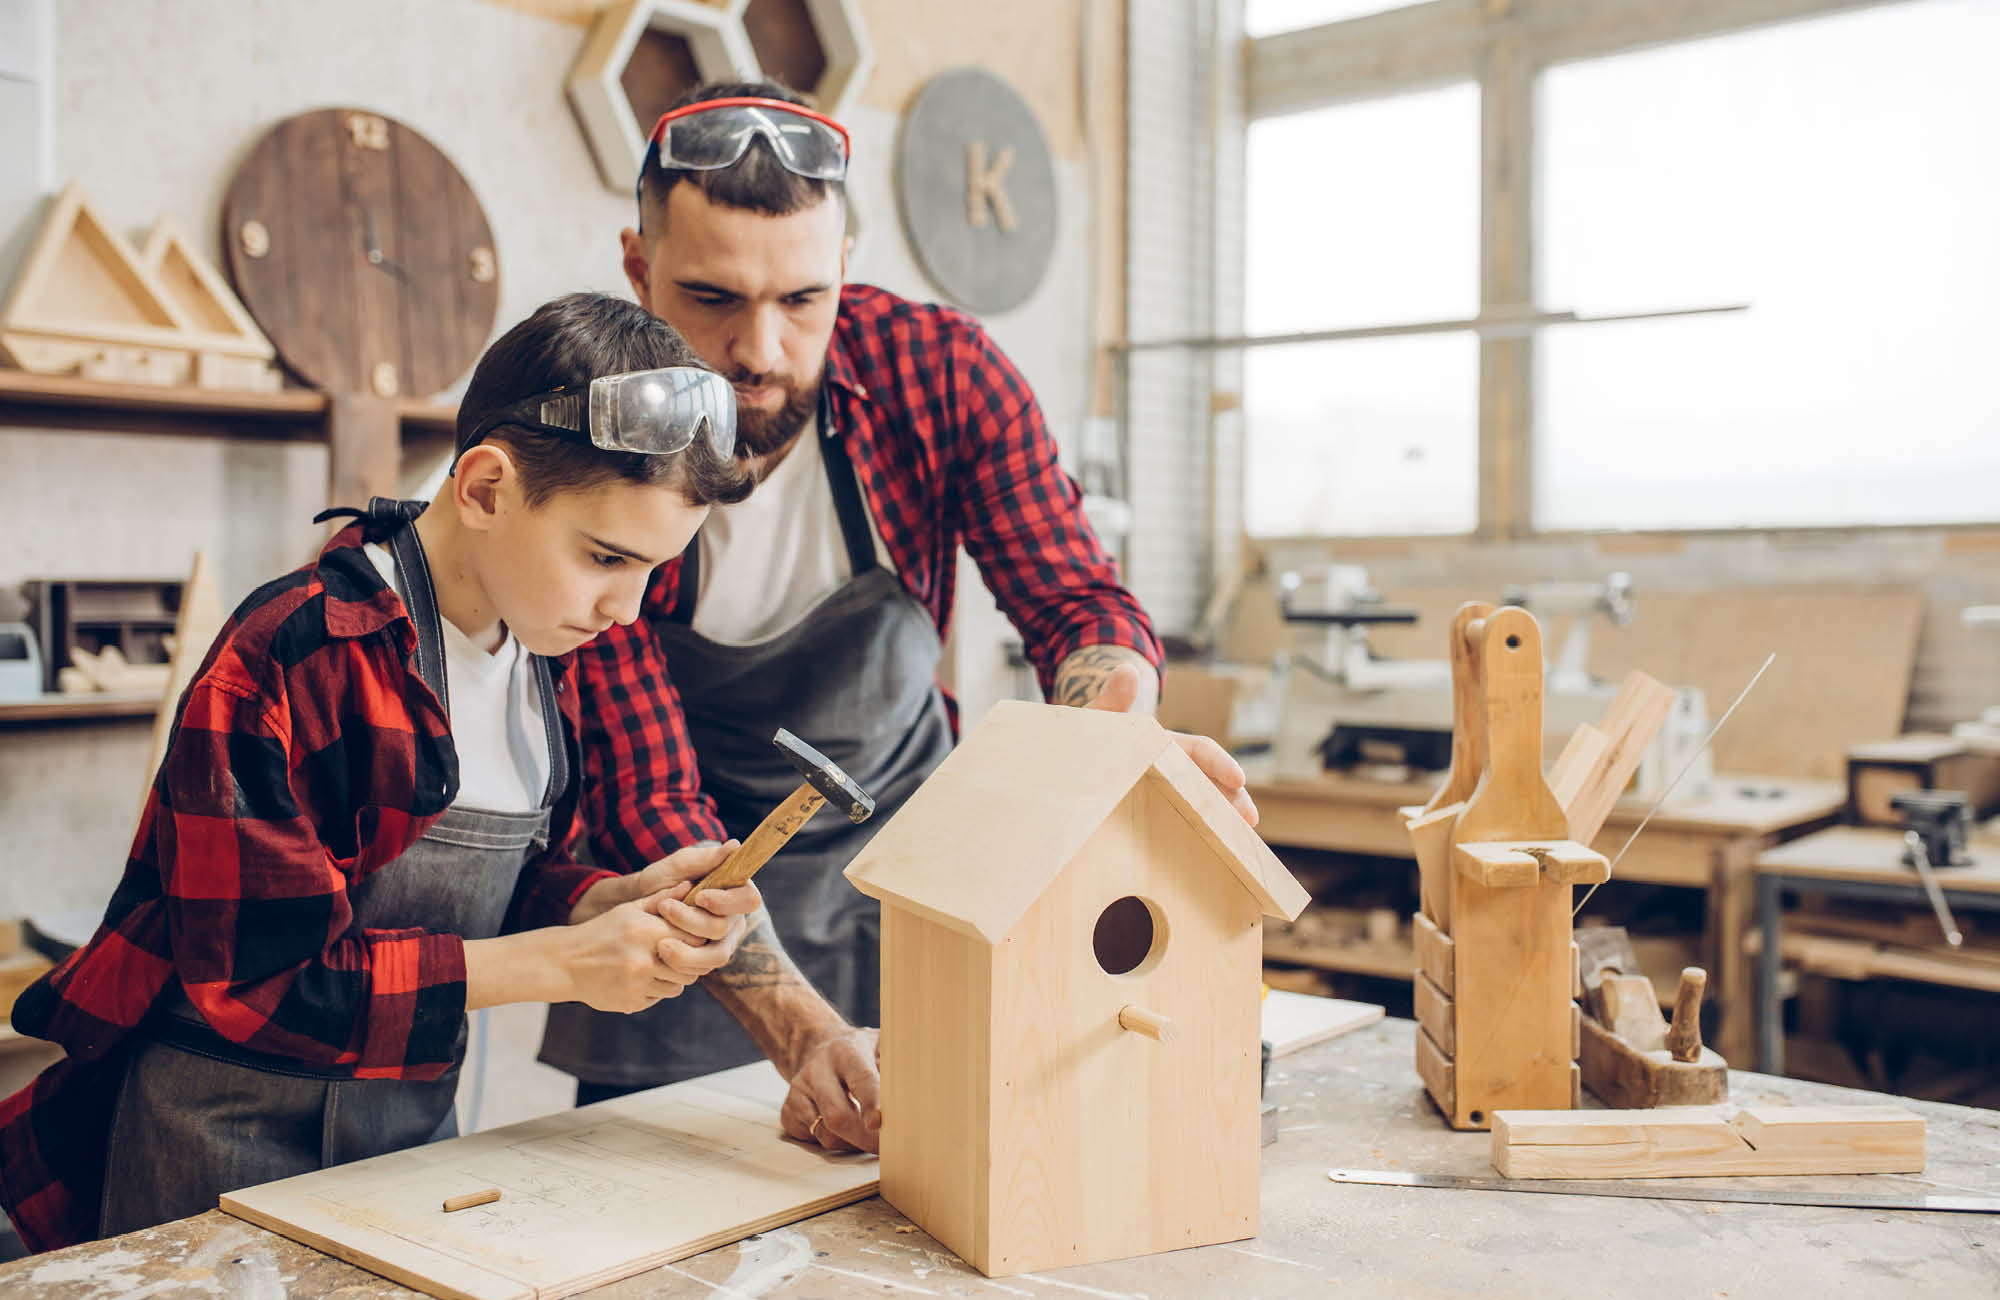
<point x="367" y="440"/>
<point x="36" y="401"/>
<point x="56" y="709"/>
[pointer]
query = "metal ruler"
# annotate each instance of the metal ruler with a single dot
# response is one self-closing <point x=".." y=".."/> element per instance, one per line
<point x="1652" y="1190"/>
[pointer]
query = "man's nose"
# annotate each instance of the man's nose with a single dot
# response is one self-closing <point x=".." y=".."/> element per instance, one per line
<point x="760" y="343"/>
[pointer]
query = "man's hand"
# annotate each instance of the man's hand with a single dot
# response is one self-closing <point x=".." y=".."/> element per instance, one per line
<point x="836" y="1096"/>
<point x="1122" y="692"/>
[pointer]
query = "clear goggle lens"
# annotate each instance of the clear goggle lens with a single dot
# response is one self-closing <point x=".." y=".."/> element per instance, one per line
<point x="712" y="138"/>
<point x="662" y="411"/>
<point x="652" y="412"/>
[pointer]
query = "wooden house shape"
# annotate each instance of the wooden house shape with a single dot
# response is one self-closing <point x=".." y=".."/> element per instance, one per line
<point x="1071" y="957"/>
<point x="85" y="302"/>
<point x="233" y="352"/>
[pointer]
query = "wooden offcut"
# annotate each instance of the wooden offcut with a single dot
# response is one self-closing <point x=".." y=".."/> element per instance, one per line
<point x="1708" y="1141"/>
<point x="1061" y="873"/>
<point x="588" y="1195"/>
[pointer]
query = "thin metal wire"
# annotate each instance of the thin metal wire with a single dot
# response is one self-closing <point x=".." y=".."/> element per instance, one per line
<point x="1685" y="769"/>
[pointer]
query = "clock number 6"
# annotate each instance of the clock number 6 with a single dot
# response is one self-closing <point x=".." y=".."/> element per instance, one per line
<point x="367" y="131"/>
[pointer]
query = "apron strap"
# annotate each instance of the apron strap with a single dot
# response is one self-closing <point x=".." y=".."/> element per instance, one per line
<point x="847" y="508"/>
<point x="552" y="724"/>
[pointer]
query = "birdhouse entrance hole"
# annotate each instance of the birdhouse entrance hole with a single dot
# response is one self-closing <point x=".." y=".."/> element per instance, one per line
<point x="1129" y="937"/>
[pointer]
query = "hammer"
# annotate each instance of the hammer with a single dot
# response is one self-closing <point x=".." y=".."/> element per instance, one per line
<point x="824" y="782"/>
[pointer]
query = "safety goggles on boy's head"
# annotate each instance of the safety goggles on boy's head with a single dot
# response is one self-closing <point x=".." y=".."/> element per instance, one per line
<point x="716" y="133"/>
<point x="652" y="412"/>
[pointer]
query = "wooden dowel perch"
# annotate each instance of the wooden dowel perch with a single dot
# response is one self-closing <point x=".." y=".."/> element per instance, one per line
<point x="470" y="1199"/>
<point x="1684" y="1034"/>
<point x="1150" y="1023"/>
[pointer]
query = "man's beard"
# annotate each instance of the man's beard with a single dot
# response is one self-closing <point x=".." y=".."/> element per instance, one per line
<point x="763" y="433"/>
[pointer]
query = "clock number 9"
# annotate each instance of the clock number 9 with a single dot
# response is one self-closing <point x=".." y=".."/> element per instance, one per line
<point x="367" y="131"/>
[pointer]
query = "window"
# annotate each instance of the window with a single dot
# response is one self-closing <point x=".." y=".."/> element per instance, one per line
<point x="1269" y="17"/>
<point x="1363" y="214"/>
<point x="1842" y="176"/>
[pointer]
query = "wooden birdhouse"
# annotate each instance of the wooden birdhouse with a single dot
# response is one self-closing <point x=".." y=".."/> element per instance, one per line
<point x="1071" y="949"/>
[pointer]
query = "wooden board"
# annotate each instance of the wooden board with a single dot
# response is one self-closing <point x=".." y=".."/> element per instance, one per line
<point x="1705" y="1141"/>
<point x="1295" y="1021"/>
<point x="1842" y="676"/>
<point x="588" y="1195"/>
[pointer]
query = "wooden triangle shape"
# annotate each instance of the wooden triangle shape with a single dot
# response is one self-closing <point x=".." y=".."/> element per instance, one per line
<point x="82" y="275"/>
<point x="195" y="628"/>
<point x="199" y="292"/>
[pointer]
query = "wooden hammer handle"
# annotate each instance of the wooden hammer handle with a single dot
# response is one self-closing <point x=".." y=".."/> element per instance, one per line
<point x="770" y="836"/>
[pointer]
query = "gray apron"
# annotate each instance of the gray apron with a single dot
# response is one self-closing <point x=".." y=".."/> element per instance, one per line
<point x="199" y="1115"/>
<point x="856" y="678"/>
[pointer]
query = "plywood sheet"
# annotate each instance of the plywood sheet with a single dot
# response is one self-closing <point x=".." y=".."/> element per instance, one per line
<point x="1295" y="1021"/>
<point x="1845" y="655"/>
<point x="587" y="1196"/>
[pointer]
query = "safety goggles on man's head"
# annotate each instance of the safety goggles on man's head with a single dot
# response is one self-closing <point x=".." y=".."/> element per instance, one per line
<point x="716" y="133"/>
<point x="652" y="412"/>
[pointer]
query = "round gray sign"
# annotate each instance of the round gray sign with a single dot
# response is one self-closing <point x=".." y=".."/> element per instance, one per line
<point x="977" y="190"/>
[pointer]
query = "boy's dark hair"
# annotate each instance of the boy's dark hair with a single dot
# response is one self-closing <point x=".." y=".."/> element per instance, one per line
<point x="569" y="342"/>
<point x="757" y="182"/>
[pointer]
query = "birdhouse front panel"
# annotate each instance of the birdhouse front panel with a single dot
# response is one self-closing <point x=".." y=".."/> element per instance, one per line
<point x="1124" y="1053"/>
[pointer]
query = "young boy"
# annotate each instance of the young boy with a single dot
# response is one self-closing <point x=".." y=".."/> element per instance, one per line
<point x="357" y="832"/>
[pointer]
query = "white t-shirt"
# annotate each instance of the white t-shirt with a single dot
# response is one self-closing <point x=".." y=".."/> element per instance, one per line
<point x="496" y="715"/>
<point x="769" y="559"/>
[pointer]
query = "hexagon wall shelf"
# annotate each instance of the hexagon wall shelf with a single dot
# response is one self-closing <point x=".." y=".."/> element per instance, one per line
<point x="641" y="54"/>
<point x="817" y="46"/>
<point x="639" y="57"/>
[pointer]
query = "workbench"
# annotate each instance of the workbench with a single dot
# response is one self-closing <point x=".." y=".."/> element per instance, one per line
<point x="1352" y="1102"/>
<point x="1863" y="863"/>
<point x="1709" y="843"/>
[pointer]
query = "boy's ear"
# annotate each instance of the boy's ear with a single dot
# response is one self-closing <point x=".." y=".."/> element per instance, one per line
<point x="480" y="483"/>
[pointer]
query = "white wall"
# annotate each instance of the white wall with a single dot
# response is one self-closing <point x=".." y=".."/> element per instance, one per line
<point x="153" y="106"/>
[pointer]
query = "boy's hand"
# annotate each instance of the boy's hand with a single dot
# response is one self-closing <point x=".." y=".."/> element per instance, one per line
<point x="703" y="935"/>
<point x="612" y="961"/>
<point x="689" y="864"/>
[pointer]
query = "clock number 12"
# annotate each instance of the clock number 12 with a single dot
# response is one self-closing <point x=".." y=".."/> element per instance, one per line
<point x="367" y="131"/>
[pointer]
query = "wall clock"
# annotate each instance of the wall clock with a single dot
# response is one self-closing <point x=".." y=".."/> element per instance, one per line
<point x="363" y="254"/>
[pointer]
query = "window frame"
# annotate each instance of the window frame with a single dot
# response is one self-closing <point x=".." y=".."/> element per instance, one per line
<point x="1504" y="45"/>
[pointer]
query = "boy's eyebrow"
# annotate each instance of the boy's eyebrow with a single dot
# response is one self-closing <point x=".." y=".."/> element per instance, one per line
<point x="616" y="549"/>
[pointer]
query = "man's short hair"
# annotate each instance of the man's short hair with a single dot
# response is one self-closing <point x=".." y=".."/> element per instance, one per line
<point x="567" y="343"/>
<point x="757" y="182"/>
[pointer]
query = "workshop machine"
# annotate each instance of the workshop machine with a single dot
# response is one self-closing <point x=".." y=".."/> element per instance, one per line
<point x="1344" y="705"/>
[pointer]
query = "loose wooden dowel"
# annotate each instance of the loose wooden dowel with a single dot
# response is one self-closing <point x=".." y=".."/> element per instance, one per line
<point x="471" y="1199"/>
<point x="1684" y="1034"/>
<point x="1150" y="1023"/>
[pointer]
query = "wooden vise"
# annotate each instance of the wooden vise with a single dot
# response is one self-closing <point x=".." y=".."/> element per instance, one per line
<point x="1498" y="848"/>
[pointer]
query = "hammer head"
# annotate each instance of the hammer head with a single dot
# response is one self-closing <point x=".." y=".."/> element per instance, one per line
<point x="828" y="779"/>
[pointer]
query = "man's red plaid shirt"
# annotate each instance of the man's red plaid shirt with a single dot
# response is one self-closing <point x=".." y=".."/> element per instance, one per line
<point x="949" y="448"/>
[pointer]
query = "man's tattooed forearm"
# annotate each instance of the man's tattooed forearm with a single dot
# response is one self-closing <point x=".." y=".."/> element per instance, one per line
<point x="1082" y="675"/>
<point x="760" y="962"/>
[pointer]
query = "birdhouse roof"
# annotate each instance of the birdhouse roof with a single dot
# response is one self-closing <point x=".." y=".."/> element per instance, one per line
<point x="988" y="833"/>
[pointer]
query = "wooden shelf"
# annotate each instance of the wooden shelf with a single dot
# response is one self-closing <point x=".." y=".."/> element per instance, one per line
<point x="55" y="709"/>
<point x="35" y="400"/>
